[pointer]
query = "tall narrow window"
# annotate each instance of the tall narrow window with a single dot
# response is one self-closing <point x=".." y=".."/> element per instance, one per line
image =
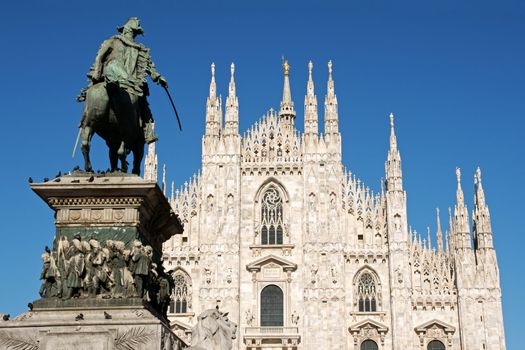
<point x="369" y="345"/>
<point x="435" y="345"/>
<point x="272" y="307"/>
<point x="367" y="293"/>
<point x="272" y="217"/>
<point x="179" y="303"/>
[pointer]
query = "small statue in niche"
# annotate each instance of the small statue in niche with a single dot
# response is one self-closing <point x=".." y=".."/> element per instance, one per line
<point x="333" y="201"/>
<point x="313" y="271"/>
<point x="249" y="317"/>
<point x="399" y="275"/>
<point x="207" y="274"/>
<point x="229" y="272"/>
<point x="210" y="203"/>
<point x="312" y="202"/>
<point x="295" y="317"/>
<point x="397" y="222"/>
<point x="333" y="273"/>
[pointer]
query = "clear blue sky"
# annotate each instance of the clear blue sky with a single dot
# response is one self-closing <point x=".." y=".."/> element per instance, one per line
<point x="452" y="72"/>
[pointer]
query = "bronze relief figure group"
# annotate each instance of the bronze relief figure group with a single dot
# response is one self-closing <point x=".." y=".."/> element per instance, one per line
<point x="82" y="269"/>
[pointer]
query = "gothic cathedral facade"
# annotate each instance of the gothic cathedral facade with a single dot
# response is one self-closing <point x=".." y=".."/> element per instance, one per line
<point x="304" y="256"/>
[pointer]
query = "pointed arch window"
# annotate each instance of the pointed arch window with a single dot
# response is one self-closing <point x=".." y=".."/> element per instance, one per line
<point x="272" y="217"/>
<point x="181" y="297"/>
<point x="367" y="293"/>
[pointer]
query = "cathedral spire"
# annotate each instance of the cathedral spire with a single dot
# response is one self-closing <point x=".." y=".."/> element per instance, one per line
<point x="231" y="119"/>
<point x="439" y="233"/>
<point x="394" y="176"/>
<point x="460" y="198"/>
<point x="461" y="220"/>
<point x="331" y="117"/>
<point x="479" y="197"/>
<point x="151" y="162"/>
<point x="213" y="108"/>
<point x="310" y="106"/>
<point x="393" y="139"/>
<point x="481" y="225"/>
<point x="451" y="232"/>
<point x="287" y="112"/>
<point x="213" y="85"/>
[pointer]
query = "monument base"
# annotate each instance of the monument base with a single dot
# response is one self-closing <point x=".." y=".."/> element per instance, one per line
<point x="84" y="325"/>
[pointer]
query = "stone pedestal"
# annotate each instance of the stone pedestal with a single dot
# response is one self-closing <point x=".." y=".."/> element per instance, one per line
<point x="113" y="206"/>
<point x="109" y="325"/>
<point x="100" y="208"/>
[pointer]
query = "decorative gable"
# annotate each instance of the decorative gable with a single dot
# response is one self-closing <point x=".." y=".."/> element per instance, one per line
<point x="433" y="324"/>
<point x="271" y="261"/>
<point x="368" y="329"/>
<point x="272" y="267"/>
<point x="435" y="330"/>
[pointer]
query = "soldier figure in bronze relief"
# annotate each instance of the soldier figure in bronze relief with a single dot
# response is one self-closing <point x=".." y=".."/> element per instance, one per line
<point x="75" y="270"/>
<point x="141" y="267"/>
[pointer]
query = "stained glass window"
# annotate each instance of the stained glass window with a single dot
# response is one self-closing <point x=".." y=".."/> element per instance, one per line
<point x="366" y="293"/>
<point x="369" y="345"/>
<point x="272" y="217"/>
<point x="435" y="345"/>
<point x="272" y="307"/>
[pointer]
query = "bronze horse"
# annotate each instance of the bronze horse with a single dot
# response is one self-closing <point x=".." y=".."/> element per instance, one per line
<point x="114" y="114"/>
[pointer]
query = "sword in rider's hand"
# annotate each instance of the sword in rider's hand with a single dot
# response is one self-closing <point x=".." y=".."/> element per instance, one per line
<point x="80" y="98"/>
<point x="173" y="105"/>
<point x="76" y="142"/>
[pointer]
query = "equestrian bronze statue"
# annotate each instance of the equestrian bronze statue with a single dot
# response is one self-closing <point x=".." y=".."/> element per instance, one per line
<point x="116" y="106"/>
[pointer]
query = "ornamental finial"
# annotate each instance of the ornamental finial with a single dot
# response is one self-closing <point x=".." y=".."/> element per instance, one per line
<point x="213" y="70"/>
<point x="458" y="174"/>
<point x="330" y="68"/>
<point x="391" y="120"/>
<point x="232" y="68"/>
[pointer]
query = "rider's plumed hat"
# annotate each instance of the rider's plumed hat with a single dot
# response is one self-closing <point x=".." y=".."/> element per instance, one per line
<point x="133" y="24"/>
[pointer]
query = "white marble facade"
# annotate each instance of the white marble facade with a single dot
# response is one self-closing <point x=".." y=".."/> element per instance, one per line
<point x="305" y="256"/>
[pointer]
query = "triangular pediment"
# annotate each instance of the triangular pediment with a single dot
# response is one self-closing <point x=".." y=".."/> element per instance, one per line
<point x="271" y="260"/>
<point x="445" y="326"/>
<point x="182" y="330"/>
<point x="369" y="323"/>
<point x="175" y="324"/>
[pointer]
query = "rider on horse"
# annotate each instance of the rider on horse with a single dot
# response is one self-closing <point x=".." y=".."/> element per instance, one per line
<point x="123" y="63"/>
